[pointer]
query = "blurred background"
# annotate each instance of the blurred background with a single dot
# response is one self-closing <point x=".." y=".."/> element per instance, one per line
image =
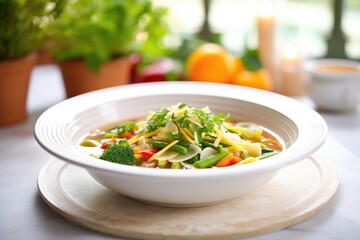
<point x="254" y="43"/>
<point x="309" y="23"/>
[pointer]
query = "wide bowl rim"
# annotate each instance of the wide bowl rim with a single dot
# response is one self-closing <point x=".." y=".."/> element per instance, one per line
<point x="285" y="105"/>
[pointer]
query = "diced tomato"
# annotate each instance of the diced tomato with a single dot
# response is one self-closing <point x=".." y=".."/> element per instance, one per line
<point x="106" y="143"/>
<point x="228" y="161"/>
<point x="148" y="153"/>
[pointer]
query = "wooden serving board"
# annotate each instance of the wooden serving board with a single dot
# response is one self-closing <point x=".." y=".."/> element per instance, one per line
<point x="296" y="193"/>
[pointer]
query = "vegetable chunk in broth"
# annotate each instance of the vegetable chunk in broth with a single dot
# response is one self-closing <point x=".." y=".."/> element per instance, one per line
<point x="182" y="137"/>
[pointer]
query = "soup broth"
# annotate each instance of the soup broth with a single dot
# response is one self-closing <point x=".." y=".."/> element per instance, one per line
<point x="337" y="69"/>
<point x="182" y="137"/>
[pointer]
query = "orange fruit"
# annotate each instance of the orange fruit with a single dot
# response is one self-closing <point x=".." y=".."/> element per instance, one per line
<point x="211" y="63"/>
<point x="260" y="79"/>
<point x="238" y="67"/>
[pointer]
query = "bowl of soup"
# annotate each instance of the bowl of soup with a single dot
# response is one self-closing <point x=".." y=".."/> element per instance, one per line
<point x="334" y="83"/>
<point x="181" y="144"/>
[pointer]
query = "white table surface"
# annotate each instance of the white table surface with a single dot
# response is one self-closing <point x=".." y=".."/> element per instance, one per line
<point x="23" y="214"/>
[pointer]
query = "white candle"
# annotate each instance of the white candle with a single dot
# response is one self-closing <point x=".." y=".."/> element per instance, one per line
<point x="266" y="32"/>
<point x="291" y="72"/>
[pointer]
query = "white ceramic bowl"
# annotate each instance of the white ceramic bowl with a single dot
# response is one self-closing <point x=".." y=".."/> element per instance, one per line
<point x="301" y="129"/>
<point x="334" y="90"/>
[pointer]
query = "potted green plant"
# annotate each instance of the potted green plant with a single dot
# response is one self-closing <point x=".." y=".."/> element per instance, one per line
<point x="93" y="40"/>
<point x="23" y="25"/>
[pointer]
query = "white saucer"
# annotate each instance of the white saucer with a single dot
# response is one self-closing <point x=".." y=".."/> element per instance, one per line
<point x="296" y="193"/>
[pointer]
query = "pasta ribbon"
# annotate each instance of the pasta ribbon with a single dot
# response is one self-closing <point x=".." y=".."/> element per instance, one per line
<point x="145" y="135"/>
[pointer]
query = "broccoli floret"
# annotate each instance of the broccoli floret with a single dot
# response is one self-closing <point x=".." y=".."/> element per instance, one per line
<point x="120" y="153"/>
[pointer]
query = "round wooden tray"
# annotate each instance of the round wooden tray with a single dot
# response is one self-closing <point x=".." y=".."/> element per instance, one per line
<point x="296" y="193"/>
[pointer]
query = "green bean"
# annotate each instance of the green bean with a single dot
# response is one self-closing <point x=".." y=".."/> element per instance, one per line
<point x="175" y="148"/>
<point x="209" y="144"/>
<point x="183" y="143"/>
<point x="211" y="160"/>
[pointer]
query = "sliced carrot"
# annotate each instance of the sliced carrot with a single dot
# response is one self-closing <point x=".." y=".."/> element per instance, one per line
<point x="228" y="161"/>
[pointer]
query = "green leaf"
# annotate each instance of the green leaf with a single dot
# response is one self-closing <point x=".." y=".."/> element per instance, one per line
<point x="182" y="120"/>
<point x="173" y="136"/>
<point x="221" y="117"/>
<point x="182" y="105"/>
<point x="251" y="60"/>
<point x="158" y="120"/>
<point x="206" y="120"/>
<point x="197" y="132"/>
<point x="24" y="25"/>
<point x="97" y="31"/>
<point x="125" y="127"/>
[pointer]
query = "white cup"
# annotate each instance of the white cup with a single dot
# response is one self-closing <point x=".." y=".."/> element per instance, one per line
<point x="334" y="84"/>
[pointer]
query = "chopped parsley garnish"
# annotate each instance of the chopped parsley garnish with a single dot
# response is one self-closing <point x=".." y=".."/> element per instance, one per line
<point x="182" y="105"/>
<point x="182" y="120"/>
<point x="126" y="127"/>
<point x="170" y="135"/>
<point x="158" y="120"/>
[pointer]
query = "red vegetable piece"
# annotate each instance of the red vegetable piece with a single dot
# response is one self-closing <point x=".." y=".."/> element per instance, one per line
<point x="161" y="70"/>
<point x="148" y="153"/>
<point x="105" y="144"/>
<point x="228" y="161"/>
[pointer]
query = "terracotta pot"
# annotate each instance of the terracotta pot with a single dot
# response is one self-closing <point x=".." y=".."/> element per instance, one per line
<point x="44" y="56"/>
<point x="14" y="84"/>
<point x="79" y="79"/>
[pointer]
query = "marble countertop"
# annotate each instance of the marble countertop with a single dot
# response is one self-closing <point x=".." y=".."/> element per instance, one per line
<point x="24" y="215"/>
